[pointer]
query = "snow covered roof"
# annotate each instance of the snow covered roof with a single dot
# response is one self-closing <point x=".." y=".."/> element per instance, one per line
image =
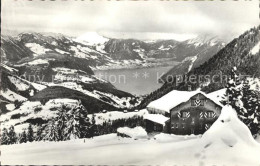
<point x="137" y="132"/>
<point x="175" y="97"/>
<point x="158" y="118"/>
<point x="217" y="96"/>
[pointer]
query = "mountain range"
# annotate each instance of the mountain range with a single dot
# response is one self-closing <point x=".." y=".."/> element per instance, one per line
<point x="242" y="53"/>
<point x="103" y="53"/>
<point x="42" y="73"/>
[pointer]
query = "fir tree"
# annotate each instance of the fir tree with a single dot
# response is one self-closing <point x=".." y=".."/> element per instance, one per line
<point x="12" y="135"/>
<point x="78" y="124"/>
<point x="234" y="94"/>
<point x="245" y="101"/>
<point x="30" y="136"/>
<point x="52" y="132"/>
<point x="23" y="137"/>
<point x="252" y="104"/>
<point x="62" y="120"/>
<point x="39" y="133"/>
<point x="4" y="137"/>
<point x="93" y="128"/>
<point x="93" y="120"/>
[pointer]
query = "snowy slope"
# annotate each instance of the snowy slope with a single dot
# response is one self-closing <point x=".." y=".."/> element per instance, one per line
<point x="36" y="48"/>
<point x="80" y="81"/>
<point x="92" y="38"/>
<point x="31" y="110"/>
<point x="255" y="49"/>
<point x="228" y="143"/>
<point x="12" y="96"/>
<point x="14" y="87"/>
<point x="205" y="39"/>
<point x="192" y="59"/>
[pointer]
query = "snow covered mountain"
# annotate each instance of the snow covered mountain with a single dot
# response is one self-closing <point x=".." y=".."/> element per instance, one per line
<point x="38" y="69"/>
<point x="241" y="52"/>
<point x="163" y="49"/>
<point x="92" y="38"/>
<point x="202" y="48"/>
<point x="33" y="91"/>
<point x="104" y="53"/>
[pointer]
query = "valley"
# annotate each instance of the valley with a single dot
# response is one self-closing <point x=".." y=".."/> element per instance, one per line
<point x="138" y="81"/>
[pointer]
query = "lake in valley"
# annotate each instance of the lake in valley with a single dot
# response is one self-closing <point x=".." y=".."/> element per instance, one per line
<point x="139" y="81"/>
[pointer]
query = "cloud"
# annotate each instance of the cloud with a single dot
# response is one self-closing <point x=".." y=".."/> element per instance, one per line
<point x="137" y="18"/>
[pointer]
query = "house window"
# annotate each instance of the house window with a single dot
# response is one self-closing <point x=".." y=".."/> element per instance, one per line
<point x="185" y="114"/>
<point x="173" y="126"/>
<point x="197" y="102"/>
<point x="207" y="126"/>
<point x="176" y="125"/>
<point x="201" y="115"/>
<point x="211" y="114"/>
<point x="183" y="125"/>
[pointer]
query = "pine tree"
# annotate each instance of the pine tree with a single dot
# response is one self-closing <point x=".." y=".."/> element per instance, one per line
<point x="93" y="128"/>
<point x="245" y="101"/>
<point x="4" y="137"/>
<point x="23" y="137"/>
<point x="12" y="135"/>
<point x="52" y="132"/>
<point x="62" y="120"/>
<point x="93" y="120"/>
<point x="39" y="133"/>
<point x="30" y="136"/>
<point x="234" y="94"/>
<point x="252" y="104"/>
<point x="78" y="123"/>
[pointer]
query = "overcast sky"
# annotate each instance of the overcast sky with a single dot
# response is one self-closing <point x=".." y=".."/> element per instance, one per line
<point x="131" y="19"/>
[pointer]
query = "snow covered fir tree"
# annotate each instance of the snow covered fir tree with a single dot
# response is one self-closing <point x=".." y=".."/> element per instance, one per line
<point x="244" y="100"/>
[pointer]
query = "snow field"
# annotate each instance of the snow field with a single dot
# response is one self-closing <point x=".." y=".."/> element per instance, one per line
<point x="12" y="96"/>
<point x="36" y="48"/>
<point x="28" y="111"/>
<point x="255" y="49"/>
<point x="227" y="142"/>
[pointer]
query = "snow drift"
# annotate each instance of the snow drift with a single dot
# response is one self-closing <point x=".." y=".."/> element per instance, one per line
<point x="230" y="140"/>
<point x="228" y="130"/>
<point x="137" y="132"/>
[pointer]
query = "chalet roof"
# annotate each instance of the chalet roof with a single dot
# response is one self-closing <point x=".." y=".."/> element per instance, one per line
<point x="158" y="118"/>
<point x="175" y="97"/>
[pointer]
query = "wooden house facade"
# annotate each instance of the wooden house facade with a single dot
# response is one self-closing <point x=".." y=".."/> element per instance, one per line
<point x="194" y="115"/>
